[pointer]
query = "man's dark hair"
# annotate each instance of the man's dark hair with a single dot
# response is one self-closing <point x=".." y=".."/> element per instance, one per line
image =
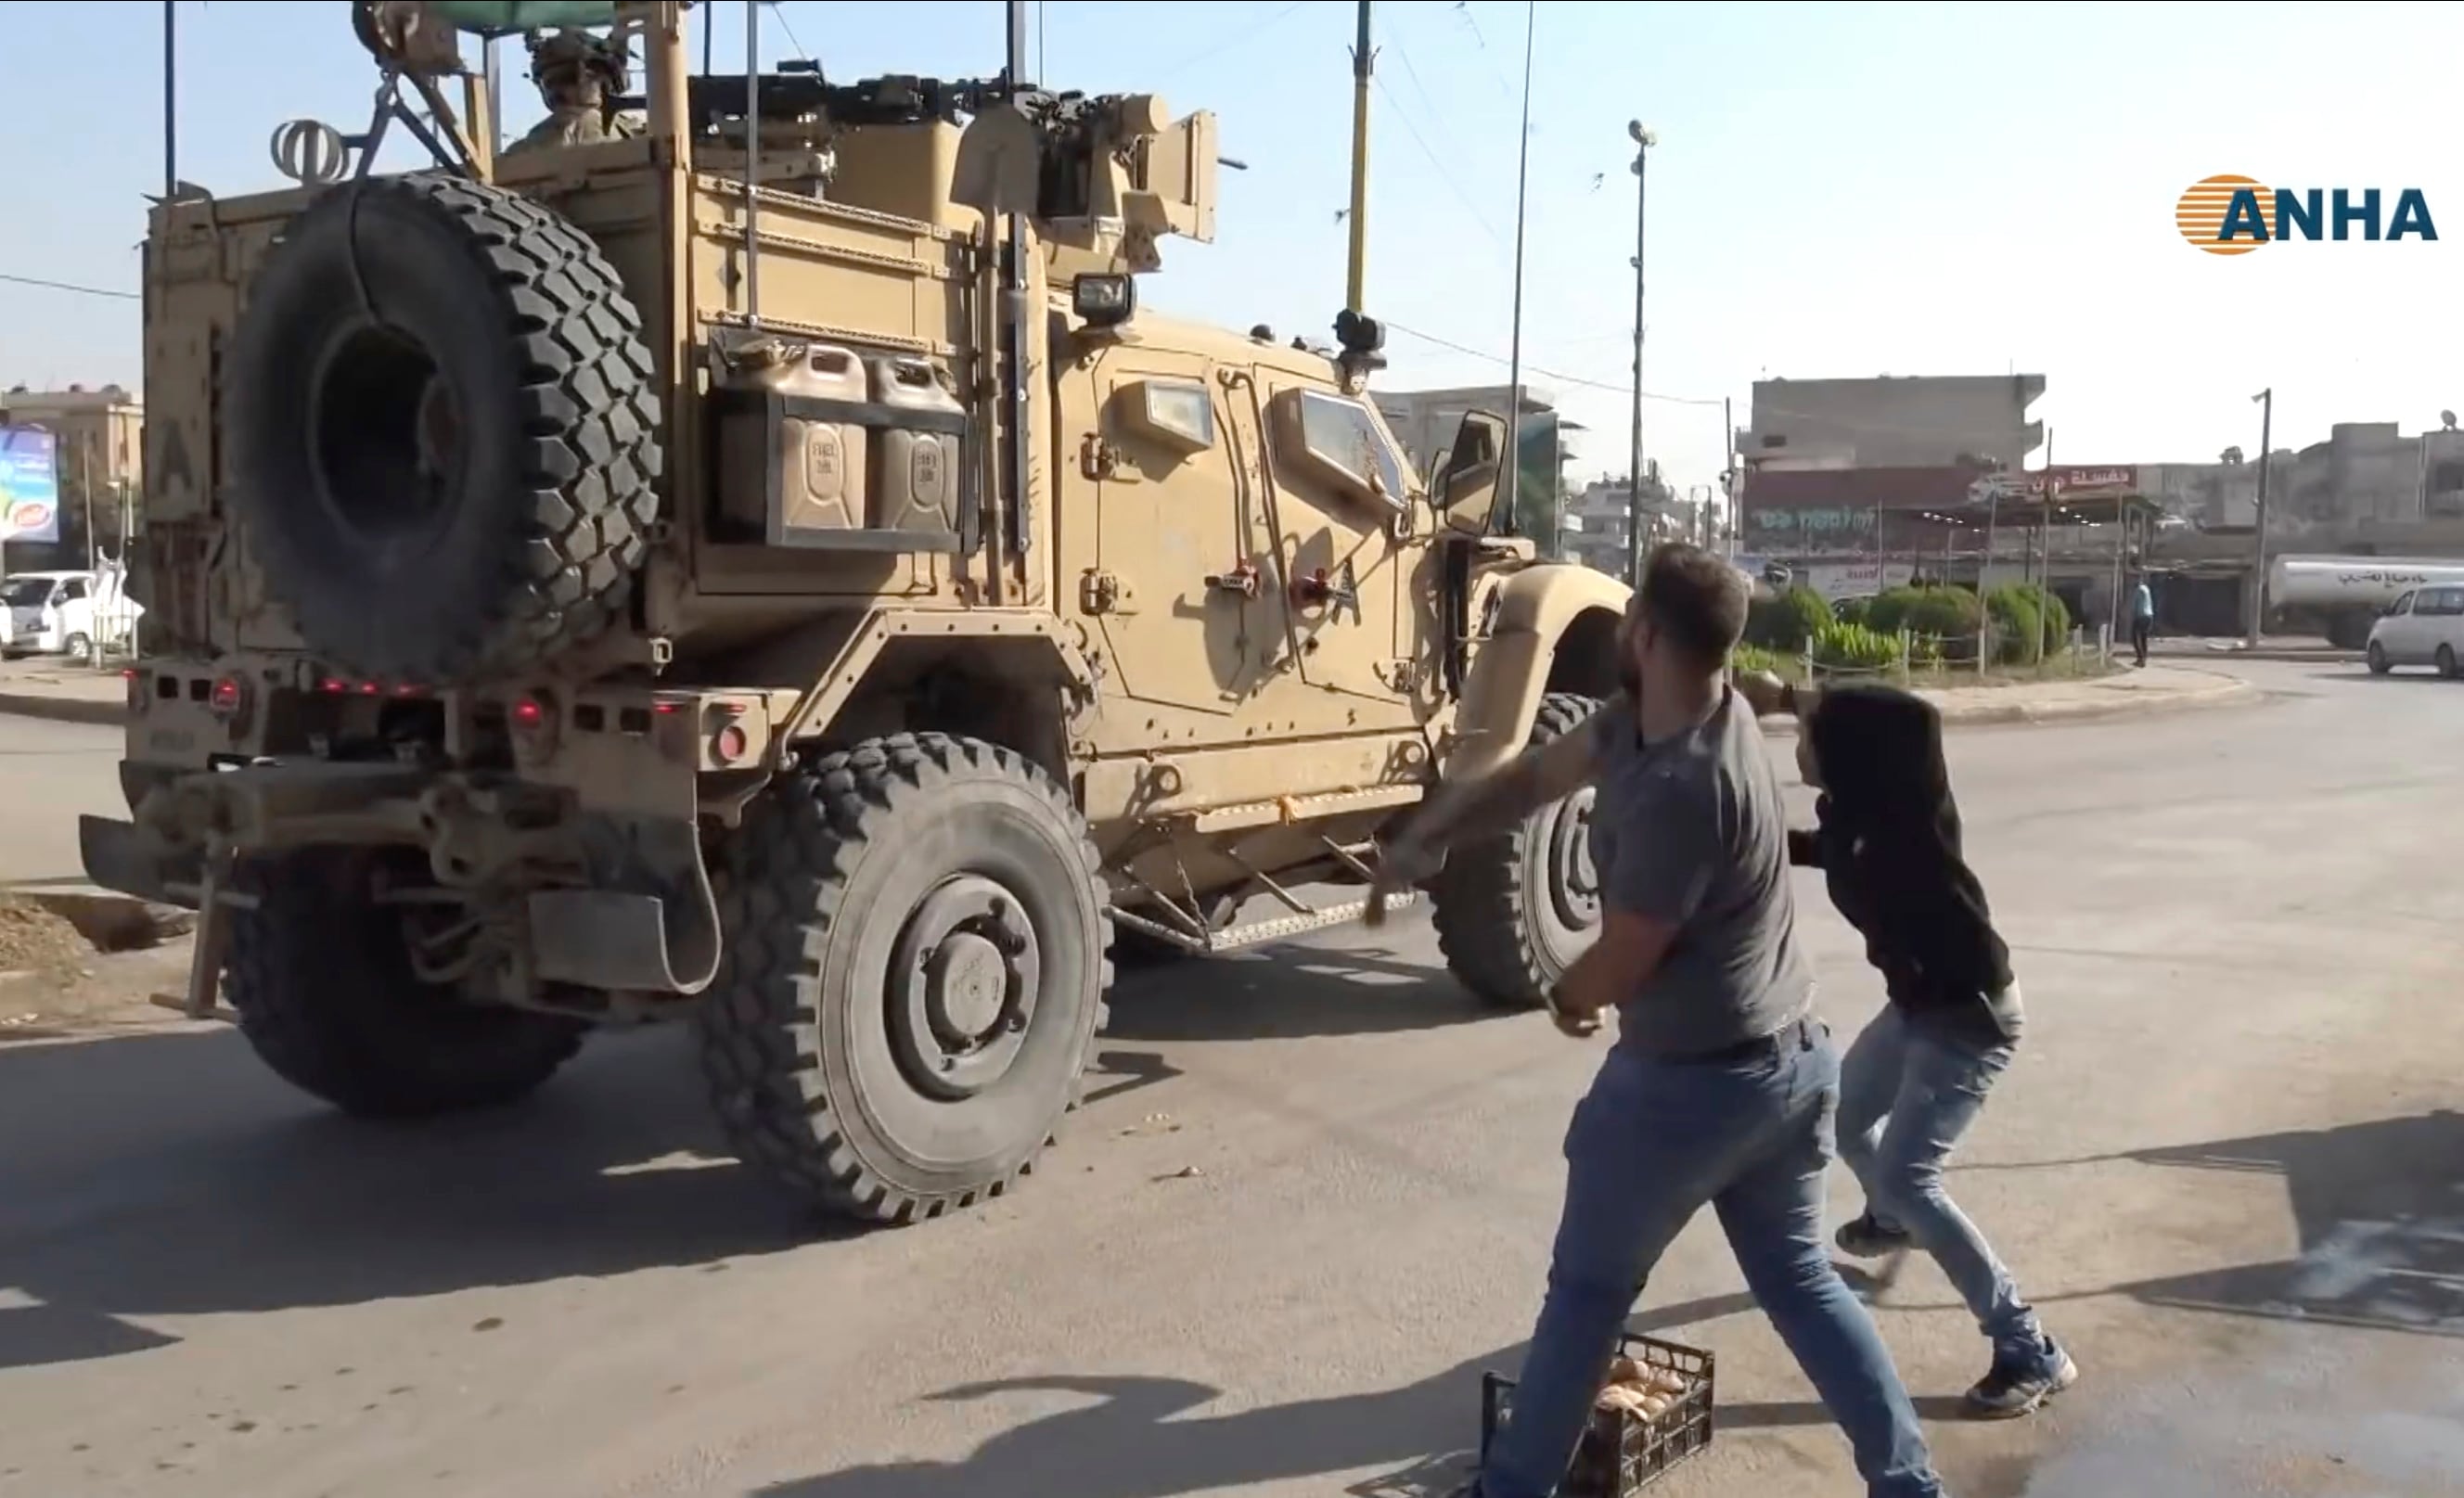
<point x="1696" y="601"/>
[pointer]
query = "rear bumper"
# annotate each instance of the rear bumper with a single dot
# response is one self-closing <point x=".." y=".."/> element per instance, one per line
<point x="645" y="919"/>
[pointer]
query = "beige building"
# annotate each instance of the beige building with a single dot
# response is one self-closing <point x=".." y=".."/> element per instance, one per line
<point x="1923" y="421"/>
<point x="99" y="434"/>
<point x="99" y="438"/>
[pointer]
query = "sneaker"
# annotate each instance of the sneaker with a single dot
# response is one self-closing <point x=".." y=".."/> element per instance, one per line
<point x="1865" y="1237"/>
<point x="2022" y="1379"/>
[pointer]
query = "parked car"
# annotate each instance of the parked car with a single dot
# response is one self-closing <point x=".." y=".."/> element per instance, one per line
<point x="65" y="613"/>
<point x="2422" y="627"/>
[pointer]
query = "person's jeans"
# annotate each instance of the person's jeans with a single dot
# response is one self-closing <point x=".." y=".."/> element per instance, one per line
<point x="1651" y="1144"/>
<point x="2140" y="629"/>
<point x="1906" y="1095"/>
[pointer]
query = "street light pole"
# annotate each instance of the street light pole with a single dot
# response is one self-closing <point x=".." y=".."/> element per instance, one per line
<point x="1643" y="140"/>
<point x="1514" y="350"/>
<point x="2266" y="400"/>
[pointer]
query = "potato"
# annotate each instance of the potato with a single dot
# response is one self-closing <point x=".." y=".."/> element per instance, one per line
<point x="1668" y="1380"/>
<point x="1625" y="1369"/>
<point x="1620" y="1396"/>
<point x="1654" y="1406"/>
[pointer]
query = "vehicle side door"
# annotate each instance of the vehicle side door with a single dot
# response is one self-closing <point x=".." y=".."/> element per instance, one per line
<point x="2440" y="611"/>
<point x="1349" y="530"/>
<point x="1157" y="569"/>
<point x="2395" y="627"/>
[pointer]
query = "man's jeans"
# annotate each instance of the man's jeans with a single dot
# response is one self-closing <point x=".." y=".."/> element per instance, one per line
<point x="1906" y="1095"/>
<point x="1652" y="1143"/>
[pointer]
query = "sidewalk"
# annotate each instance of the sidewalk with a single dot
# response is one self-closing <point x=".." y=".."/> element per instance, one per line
<point x="2128" y="692"/>
<point x="63" y="692"/>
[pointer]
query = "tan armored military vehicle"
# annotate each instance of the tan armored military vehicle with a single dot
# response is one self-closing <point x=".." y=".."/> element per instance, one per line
<point x="583" y="590"/>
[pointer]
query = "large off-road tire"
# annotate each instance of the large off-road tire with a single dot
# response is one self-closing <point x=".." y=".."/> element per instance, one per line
<point x="1514" y="911"/>
<point x="915" y="971"/>
<point x="444" y="426"/>
<point x="322" y="979"/>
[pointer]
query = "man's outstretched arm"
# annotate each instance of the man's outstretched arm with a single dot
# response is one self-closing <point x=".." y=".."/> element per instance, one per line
<point x="1492" y="803"/>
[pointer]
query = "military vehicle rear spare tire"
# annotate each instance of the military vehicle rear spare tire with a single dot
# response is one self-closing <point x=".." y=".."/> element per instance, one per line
<point x="916" y="969"/>
<point x="321" y="978"/>
<point x="1514" y="911"/>
<point x="443" y="421"/>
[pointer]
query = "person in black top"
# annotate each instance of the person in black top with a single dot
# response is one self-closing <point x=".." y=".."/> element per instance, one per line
<point x="1887" y="843"/>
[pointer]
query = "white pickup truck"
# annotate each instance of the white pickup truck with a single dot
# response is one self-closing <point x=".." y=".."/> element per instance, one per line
<point x="67" y="613"/>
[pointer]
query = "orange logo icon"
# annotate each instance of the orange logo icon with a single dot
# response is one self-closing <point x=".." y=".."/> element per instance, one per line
<point x="2200" y="215"/>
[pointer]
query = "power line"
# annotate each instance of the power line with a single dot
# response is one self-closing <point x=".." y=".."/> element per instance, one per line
<point x="1229" y="41"/>
<point x="70" y="286"/>
<point x="1558" y="375"/>
<point x="1447" y="176"/>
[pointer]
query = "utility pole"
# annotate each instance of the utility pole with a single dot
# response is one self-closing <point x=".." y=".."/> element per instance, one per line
<point x="1643" y="142"/>
<point x="1732" y="483"/>
<point x="1363" y="66"/>
<point x="1514" y="352"/>
<point x="171" y="99"/>
<point x="2266" y="400"/>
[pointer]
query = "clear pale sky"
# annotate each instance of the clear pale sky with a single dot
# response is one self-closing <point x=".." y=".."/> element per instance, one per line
<point x="1840" y="189"/>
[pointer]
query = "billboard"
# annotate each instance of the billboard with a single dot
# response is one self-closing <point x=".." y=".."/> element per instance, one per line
<point x="30" y="485"/>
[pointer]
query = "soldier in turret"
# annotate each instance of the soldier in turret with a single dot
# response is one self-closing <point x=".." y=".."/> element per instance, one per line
<point x="577" y="73"/>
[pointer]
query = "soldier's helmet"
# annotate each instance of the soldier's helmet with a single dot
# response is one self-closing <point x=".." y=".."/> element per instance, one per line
<point x="569" y="51"/>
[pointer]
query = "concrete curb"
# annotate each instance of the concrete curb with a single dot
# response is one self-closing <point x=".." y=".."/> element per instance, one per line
<point x="63" y="710"/>
<point x="2228" y="691"/>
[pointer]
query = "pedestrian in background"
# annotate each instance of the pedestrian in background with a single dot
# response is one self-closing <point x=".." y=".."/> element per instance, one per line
<point x="2143" y="618"/>
<point x="1888" y="841"/>
<point x="1722" y="1088"/>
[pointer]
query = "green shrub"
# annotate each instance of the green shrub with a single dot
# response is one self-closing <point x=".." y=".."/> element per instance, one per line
<point x="1951" y="613"/>
<point x="1854" y="610"/>
<point x="2029" y="623"/>
<point x="1785" y="623"/>
<point x="1855" y="648"/>
<point x="1753" y="657"/>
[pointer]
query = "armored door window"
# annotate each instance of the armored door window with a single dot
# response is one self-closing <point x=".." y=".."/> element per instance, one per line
<point x="1339" y="441"/>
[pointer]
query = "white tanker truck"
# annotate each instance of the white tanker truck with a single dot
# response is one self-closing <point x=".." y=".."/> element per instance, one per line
<point x="2340" y="596"/>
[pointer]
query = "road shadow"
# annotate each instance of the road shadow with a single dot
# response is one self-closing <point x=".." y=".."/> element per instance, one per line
<point x="168" y="1172"/>
<point x="2378" y="1206"/>
<point x="1289" y="992"/>
<point x="2402" y="675"/>
<point x="2379" y="1210"/>
<point x="1144" y="1436"/>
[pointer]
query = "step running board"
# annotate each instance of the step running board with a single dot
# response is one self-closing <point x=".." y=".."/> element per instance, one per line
<point x="1258" y="933"/>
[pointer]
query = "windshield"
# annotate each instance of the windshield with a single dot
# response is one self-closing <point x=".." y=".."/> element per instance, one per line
<point x="26" y="592"/>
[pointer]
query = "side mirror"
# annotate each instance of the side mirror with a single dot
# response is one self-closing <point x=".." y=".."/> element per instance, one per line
<point x="1467" y="488"/>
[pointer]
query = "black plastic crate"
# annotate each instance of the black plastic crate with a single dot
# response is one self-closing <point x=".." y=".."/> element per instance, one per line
<point x="1623" y="1452"/>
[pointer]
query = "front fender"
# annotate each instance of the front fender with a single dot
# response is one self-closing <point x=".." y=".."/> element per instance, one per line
<point x="1539" y="610"/>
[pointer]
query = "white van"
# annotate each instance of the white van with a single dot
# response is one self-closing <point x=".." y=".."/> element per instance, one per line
<point x="2422" y="627"/>
<point x="65" y="613"/>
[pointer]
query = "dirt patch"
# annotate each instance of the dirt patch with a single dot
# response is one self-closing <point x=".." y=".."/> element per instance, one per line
<point x="55" y="981"/>
<point x="39" y="942"/>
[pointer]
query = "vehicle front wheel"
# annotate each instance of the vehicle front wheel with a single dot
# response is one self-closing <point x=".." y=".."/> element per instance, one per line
<point x="2380" y="665"/>
<point x="78" y="646"/>
<point x="1514" y="911"/>
<point x="916" y="969"/>
<point x="2446" y="661"/>
<point x="320" y="976"/>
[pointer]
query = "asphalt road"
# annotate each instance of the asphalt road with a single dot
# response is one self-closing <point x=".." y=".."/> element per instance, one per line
<point x="1311" y="1203"/>
<point x="50" y="772"/>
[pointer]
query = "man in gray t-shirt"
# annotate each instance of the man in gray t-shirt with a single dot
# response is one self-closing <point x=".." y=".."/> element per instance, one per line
<point x="1721" y="1088"/>
<point x="1690" y="831"/>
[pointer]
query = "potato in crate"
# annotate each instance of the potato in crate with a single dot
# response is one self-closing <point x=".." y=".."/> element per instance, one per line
<point x="1653" y="1412"/>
